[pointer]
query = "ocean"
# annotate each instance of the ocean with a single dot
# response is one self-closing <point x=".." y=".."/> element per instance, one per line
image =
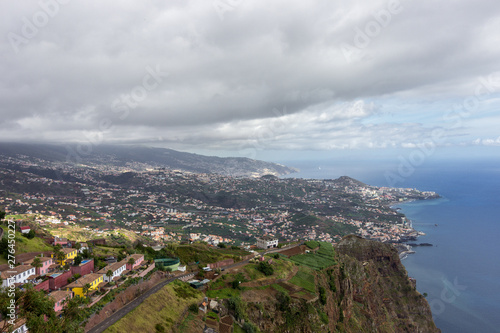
<point x="460" y="273"/>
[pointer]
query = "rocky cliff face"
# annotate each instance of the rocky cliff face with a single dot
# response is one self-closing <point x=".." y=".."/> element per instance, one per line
<point x="368" y="290"/>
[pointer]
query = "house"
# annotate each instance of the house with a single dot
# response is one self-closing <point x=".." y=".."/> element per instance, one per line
<point x="59" y="297"/>
<point x="116" y="268"/>
<point x="25" y="229"/>
<point x="46" y="262"/>
<point x="85" y="267"/>
<point x="93" y="280"/>
<point x="59" y="280"/>
<point x="18" y="327"/>
<point x="61" y="241"/>
<point x="138" y="259"/>
<point x="267" y="242"/>
<point x="83" y="247"/>
<point x="69" y="253"/>
<point x="19" y="274"/>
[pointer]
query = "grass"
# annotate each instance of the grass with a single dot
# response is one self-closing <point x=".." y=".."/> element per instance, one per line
<point x="104" y="251"/>
<point x="25" y="245"/>
<point x="164" y="307"/>
<point x="304" y="279"/>
<point x="184" y="326"/>
<point x="312" y="244"/>
<point x="320" y="260"/>
<point x="223" y="293"/>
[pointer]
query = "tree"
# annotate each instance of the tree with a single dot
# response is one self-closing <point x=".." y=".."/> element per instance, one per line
<point x="86" y="288"/>
<point x="222" y="245"/>
<point x="37" y="263"/>
<point x="78" y="260"/>
<point x="109" y="273"/>
<point x="86" y="253"/>
<point x="265" y="268"/>
<point x="30" y="234"/>
<point x="131" y="261"/>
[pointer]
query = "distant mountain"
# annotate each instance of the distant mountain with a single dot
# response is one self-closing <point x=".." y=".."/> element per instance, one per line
<point x="141" y="157"/>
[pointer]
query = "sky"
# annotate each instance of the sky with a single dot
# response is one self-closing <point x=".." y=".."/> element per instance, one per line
<point x="253" y="78"/>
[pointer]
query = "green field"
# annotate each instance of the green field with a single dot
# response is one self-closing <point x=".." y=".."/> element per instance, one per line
<point x="304" y="279"/>
<point x="323" y="258"/>
<point x="222" y="293"/>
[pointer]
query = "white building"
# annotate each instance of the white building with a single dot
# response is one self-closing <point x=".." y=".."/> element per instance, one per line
<point x="267" y="242"/>
<point x="18" y="274"/>
<point x="117" y="268"/>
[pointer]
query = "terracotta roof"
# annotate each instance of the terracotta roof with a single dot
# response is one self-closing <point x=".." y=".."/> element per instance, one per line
<point x="67" y="250"/>
<point x="15" y="271"/>
<point x="60" y="294"/>
<point x="89" y="278"/>
<point x="42" y="259"/>
<point x="17" y="323"/>
<point x="113" y="267"/>
<point x="135" y="256"/>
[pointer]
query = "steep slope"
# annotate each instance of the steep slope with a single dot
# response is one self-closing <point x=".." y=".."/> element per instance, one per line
<point x="367" y="290"/>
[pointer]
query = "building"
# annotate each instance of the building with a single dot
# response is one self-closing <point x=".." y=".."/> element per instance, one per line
<point x="59" y="297"/>
<point x="46" y="262"/>
<point x="69" y="253"/>
<point x="19" y="274"/>
<point x="59" y="280"/>
<point x="85" y="267"/>
<point x="138" y="259"/>
<point x="25" y="229"/>
<point x="83" y="247"/>
<point x="267" y="242"/>
<point x="93" y="280"/>
<point x="60" y="241"/>
<point x="18" y="327"/>
<point x="168" y="263"/>
<point x="116" y="268"/>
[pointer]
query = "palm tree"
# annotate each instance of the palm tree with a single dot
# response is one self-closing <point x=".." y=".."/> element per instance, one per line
<point x="109" y="274"/>
<point x="37" y="263"/>
<point x="61" y="257"/>
<point x="86" y="288"/>
<point x="131" y="262"/>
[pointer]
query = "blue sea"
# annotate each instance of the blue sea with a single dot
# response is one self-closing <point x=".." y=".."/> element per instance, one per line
<point x="461" y="273"/>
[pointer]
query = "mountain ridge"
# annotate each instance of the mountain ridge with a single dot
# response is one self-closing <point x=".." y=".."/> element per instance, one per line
<point x="142" y="157"/>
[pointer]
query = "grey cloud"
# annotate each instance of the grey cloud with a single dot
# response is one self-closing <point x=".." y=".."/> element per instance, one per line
<point x="233" y="72"/>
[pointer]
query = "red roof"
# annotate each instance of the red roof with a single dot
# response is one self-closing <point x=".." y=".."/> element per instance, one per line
<point x="25" y="228"/>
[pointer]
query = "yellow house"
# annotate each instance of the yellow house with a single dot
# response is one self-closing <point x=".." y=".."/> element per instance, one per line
<point x="69" y="253"/>
<point x="93" y="279"/>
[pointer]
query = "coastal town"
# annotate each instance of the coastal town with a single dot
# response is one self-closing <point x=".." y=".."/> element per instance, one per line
<point x="158" y="206"/>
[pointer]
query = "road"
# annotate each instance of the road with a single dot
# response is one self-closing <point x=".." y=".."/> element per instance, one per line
<point x="102" y="326"/>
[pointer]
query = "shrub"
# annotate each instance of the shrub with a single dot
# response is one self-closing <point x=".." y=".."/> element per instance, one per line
<point x="193" y="308"/>
<point x="265" y="268"/>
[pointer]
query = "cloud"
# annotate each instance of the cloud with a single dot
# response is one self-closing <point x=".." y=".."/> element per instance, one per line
<point x="88" y="68"/>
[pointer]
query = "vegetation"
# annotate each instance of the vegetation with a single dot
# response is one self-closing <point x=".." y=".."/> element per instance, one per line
<point x="304" y="279"/>
<point x="265" y="268"/>
<point x="162" y="308"/>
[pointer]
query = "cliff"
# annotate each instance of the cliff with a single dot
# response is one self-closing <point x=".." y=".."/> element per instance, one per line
<point x="367" y="290"/>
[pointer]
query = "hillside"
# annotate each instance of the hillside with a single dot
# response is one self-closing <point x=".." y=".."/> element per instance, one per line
<point x="358" y="286"/>
<point x="140" y="158"/>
